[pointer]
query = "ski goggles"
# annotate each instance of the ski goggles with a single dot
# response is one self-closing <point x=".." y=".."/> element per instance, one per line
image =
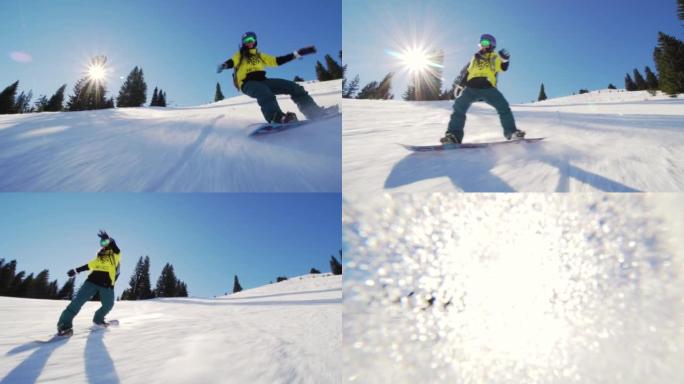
<point x="485" y="43"/>
<point x="105" y="242"/>
<point x="249" y="40"/>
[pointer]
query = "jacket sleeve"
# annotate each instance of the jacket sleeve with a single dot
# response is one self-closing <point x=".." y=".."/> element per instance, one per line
<point x="118" y="265"/>
<point x="280" y="60"/>
<point x="463" y="76"/>
<point x="82" y="268"/>
<point x="500" y="65"/>
<point x="230" y="63"/>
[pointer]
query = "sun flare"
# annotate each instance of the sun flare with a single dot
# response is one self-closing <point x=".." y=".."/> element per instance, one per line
<point x="96" y="72"/>
<point x="415" y="60"/>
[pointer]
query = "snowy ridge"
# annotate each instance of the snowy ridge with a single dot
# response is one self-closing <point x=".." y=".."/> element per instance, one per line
<point x="288" y="332"/>
<point x="197" y="149"/>
<point x="607" y="141"/>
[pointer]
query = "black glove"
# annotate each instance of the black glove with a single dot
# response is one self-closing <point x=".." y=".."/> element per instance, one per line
<point x="71" y="273"/>
<point x="306" y="50"/>
<point x="504" y="54"/>
<point x="103" y="235"/>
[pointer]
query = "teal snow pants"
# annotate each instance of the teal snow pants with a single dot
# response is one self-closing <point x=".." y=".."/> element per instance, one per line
<point x="85" y="293"/>
<point x="265" y="92"/>
<point x="491" y="96"/>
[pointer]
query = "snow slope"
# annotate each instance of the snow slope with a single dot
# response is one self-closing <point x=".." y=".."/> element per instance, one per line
<point x="197" y="149"/>
<point x="600" y="141"/>
<point x="288" y="332"/>
<point x="527" y="288"/>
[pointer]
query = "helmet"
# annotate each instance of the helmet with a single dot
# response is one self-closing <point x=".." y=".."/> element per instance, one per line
<point x="487" y="42"/>
<point x="248" y="36"/>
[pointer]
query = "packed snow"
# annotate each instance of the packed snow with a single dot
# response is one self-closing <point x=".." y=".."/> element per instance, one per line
<point x="197" y="149"/>
<point x="287" y="332"/>
<point x="514" y="288"/>
<point x="604" y="140"/>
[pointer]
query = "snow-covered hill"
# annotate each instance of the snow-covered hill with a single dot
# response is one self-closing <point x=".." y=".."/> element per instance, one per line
<point x="600" y="141"/>
<point x="198" y="149"/>
<point x="288" y="332"/>
<point x="525" y="288"/>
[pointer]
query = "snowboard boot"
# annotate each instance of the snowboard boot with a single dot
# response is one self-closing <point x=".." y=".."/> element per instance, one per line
<point x="65" y="332"/>
<point x="288" y="117"/>
<point x="450" y="138"/>
<point x="515" y="135"/>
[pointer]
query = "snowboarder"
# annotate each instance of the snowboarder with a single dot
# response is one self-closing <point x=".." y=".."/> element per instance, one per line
<point x="477" y="81"/>
<point x="249" y="77"/>
<point x="104" y="272"/>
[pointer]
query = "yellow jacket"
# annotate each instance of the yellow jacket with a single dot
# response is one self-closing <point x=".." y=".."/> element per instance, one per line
<point x="109" y="264"/>
<point x="486" y="65"/>
<point x="256" y="63"/>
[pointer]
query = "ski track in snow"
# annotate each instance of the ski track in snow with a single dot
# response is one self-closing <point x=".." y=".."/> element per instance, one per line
<point x="527" y="288"/>
<point x="288" y="332"/>
<point x="196" y="149"/>
<point x="608" y="141"/>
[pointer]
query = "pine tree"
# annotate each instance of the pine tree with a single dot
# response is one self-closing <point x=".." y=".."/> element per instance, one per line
<point x="368" y="91"/>
<point x="56" y="102"/>
<point x="680" y="9"/>
<point x="7" y="98"/>
<point x="333" y="68"/>
<point x="155" y="98"/>
<point x="40" y="104"/>
<point x="162" y="98"/>
<point x="611" y="86"/>
<point x="542" y="94"/>
<point x="639" y="81"/>
<point x="410" y="93"/>
<point x="629" y="84"/>
<point x="350" y="89"/>
<point x="335" y="266"/>
<point x="669" y="59"/>
<point x="39" y="288"/>
<point x="236" y="285"/>
<point x="321" y="73"/>
<point x="167" y="282"/>
<point x="52" y="290"/>
<point x="22" y="104"/>
<point x="314" y="271"/>
<point x="139" y="284"/>
<point x="181" y="289"/>
<point x="15" y="286"/>
<point x="218" y="95"/>
<point x="26" y="287"/>
<point x="7" y="273"/>
<point x="67" y="291"/>
<point x="281" y="278"/>
<point x="383" y="91"/>
<point x="88" y="95"/>
<point x="651" y="79"/>
<point x="133" y="92"/>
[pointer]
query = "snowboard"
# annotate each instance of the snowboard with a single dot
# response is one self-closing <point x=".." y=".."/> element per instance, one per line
<point x="444" y="147"/>
<point x="93" y="328"/>
<point x="268" y="128"/>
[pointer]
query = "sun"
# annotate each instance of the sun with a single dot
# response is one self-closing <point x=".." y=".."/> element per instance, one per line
<point x="415" y="60"/>
<point x="96" y="72"/>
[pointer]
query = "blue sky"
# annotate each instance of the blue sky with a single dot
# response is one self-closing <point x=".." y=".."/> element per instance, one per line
<point x="178" y="43"/>
<point x="568" y="45"/>
<point x="206" y="237"/>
